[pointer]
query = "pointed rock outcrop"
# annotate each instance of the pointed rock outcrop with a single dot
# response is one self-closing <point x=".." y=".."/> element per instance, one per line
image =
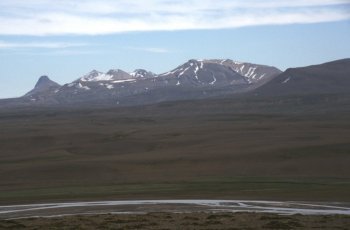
<point x="43" y="84"/>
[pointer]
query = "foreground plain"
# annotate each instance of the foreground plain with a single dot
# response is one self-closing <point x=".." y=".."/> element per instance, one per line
<point x="182" y="221"/>
<point x="288" y="148"/>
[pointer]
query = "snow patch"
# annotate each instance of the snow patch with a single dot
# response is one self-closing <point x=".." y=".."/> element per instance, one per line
<point x="137" y="74"/>
<point x="182" y="73"/>
<point x="80" y="86"/>
<point x="222" y="62"/>
<point x="262" y="76"/>
<point x="127" y="80"/>
<point x="196" y="71"/>
<point x="250" y="72"/>
<point x="242" y="68"/>
<point x="285" y="81"/>
<point x="98" y="77"/>
<point x="214" y="80"/>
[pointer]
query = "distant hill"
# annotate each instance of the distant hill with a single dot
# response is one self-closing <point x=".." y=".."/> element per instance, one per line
<point x="330" y="77"/>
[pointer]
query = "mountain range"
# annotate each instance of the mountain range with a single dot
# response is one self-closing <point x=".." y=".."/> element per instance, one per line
<point x="195" y="79"/>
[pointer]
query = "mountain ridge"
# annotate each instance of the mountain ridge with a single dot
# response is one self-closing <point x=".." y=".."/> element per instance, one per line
<point x="192" y="80"/>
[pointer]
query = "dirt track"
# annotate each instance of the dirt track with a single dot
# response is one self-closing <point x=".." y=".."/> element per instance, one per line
<point x="174" y="206"/>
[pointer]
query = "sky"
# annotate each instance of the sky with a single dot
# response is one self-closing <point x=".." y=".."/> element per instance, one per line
<point x="66" y="39"/>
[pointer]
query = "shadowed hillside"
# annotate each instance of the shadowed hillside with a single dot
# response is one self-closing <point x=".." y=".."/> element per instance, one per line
<point x="331" y="77"/>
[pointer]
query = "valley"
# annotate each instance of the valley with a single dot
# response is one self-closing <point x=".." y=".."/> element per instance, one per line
<point x="289" y="148"/>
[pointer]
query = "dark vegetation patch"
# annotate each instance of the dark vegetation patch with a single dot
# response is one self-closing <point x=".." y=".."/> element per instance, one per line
<point x="181" y="220"/>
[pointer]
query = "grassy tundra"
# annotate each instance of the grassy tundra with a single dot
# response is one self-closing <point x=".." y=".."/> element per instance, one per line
<point x="290" y="148"/>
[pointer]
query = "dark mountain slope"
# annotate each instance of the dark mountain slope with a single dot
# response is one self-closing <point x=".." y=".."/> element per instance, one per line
<point x="330" y="77"/>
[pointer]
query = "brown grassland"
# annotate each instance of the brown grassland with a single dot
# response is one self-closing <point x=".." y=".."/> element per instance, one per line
<point x="291" y="148"/>
<point x="294" y="148"/>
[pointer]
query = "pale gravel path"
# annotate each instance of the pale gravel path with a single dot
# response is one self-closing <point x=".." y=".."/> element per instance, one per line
<point x="145" y="206"/>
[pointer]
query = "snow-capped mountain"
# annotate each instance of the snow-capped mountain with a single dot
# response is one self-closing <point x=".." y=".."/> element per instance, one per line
<point x="97" y="80"/>
<point x="216" y="72"/>
<point x="141" y="73"/>
<point x="253" y="73"/>
<point x="111" y="75"/>
<point x="191" y="80"/>
<point x="200" y="73"/>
